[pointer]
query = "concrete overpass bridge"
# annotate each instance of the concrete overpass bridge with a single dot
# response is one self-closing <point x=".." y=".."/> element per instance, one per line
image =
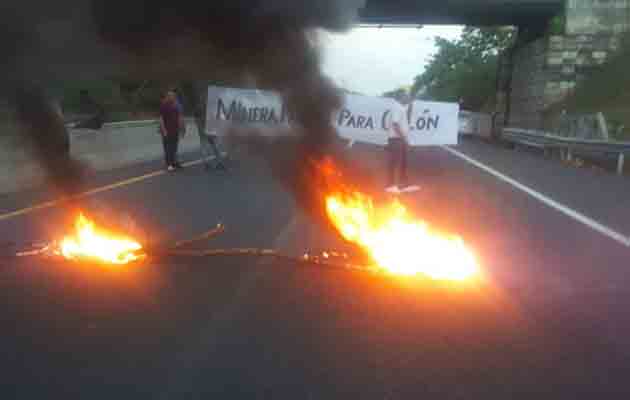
<point x="461" y="12"/>
<point x="543" y="67"/>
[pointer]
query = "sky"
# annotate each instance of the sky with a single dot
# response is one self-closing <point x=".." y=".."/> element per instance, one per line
<point x="372" y="60"/>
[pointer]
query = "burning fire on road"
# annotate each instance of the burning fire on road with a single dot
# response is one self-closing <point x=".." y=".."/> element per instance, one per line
<point x="396" y="242"/>
<point x="89" y="242"/>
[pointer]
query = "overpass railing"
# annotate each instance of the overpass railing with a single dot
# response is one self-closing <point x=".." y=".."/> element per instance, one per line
<point x="568" y="146"/>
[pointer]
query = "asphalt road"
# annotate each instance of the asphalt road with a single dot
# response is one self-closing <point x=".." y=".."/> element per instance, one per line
<point x="550" y="321"/>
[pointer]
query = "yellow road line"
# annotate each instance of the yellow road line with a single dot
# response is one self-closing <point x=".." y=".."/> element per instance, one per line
<point x="91" y="192"/>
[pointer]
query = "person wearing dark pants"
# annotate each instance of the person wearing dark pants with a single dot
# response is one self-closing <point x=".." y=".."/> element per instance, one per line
<point x="170" y="142"/>
<point x="397" y="168"/>
<point x="398" y="146"/>
<point x="171" y="123"/>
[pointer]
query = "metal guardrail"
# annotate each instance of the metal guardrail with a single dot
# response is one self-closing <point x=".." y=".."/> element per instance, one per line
<point x="569" y="146"/>
<point x="131" y="124"/>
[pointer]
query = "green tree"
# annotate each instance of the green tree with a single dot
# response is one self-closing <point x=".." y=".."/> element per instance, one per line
<point x="397" y="94"/>
<point x="464" y="69"/>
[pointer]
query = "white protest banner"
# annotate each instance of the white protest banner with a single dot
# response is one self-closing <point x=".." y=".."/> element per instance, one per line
<point x="433" y="123"/>
<point x="230" y="106"/>
<point x="368" y="119"/>
<point x="360" y="119"/>
<point x="364" y="119"/>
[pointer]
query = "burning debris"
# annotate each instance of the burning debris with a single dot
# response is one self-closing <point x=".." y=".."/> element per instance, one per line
<point x="89" y="242"/>
<point x="395" y="243"/>
<point x="92" y="243"/>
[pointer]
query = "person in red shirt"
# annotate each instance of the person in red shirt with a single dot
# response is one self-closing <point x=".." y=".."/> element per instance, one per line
<point x="171" y="122"/>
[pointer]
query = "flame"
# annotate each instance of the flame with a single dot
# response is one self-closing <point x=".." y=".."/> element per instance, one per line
<point x="396" y="241"/>
<point x="91" y="243"/>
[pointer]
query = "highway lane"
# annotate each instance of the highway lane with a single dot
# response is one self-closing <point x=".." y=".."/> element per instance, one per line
<point x="551" y="321"/>
<point x="600" y="194"/>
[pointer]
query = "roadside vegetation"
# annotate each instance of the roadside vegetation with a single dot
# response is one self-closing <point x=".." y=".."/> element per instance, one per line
<point x="121" y="99"/>
<point x="463" y="70"/>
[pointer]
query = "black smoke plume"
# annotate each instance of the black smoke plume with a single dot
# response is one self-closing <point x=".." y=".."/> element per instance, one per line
<point x="272" y="41"/>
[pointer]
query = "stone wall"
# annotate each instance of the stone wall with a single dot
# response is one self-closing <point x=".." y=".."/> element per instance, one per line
<point x="594" y="17"/>
<point x="545" y="71"/>
<point x="570" y="58"/>
<point x="528" y="85"/>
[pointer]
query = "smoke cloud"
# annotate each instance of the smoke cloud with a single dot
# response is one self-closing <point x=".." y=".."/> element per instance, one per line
<point x="272" y="41"/>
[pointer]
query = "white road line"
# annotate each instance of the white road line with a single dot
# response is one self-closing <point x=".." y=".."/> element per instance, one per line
<point x="591" y="223"/>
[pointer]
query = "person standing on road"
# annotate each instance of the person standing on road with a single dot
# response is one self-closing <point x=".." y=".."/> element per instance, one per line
<point x="171" y="122"/>
<point x="397" y="147"/>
